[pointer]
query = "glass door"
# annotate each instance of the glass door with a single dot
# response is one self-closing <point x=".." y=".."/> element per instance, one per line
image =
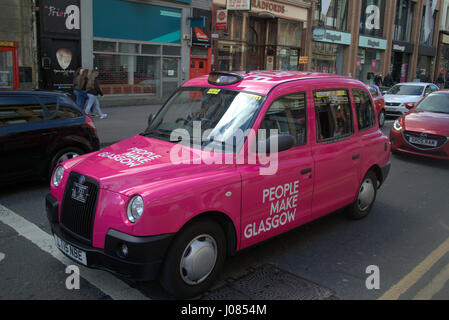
<point x="6" y="69"/>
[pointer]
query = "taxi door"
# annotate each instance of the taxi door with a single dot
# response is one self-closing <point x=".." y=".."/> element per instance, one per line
<point x="277" y="194"/>
<point x="336" y="151"/>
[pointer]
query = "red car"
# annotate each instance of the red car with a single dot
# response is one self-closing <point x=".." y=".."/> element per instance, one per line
<point x="424" y="130"/>
<point x="379" y="102"/>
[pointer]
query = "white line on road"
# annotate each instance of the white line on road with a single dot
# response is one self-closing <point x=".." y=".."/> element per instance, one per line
<point x="2" y="256"/>
<point x="107" y="283"/>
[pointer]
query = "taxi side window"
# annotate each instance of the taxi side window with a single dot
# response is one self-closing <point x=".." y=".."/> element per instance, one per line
<point x="288" y="115"/>
<point x="19" y="110"/>
<point x="373" y="91"/>
<point x="333" y="114"/>
<point x="364" y="109"/>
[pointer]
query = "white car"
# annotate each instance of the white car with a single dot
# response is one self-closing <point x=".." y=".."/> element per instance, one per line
<point x="404" y="96"/>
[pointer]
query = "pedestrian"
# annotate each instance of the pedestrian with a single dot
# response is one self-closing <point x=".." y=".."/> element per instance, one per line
<point x="82" y="94"/>
<point x="76" y="83"/>
<point x="378" y="80"/>
<point x="93" y="90"/>
<point x="440" y="80"/>
<point x="388" y="81"/>
<point x="446" y="84"/>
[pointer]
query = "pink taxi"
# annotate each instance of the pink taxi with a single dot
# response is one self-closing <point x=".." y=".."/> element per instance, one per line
<point x="230" y="160"/>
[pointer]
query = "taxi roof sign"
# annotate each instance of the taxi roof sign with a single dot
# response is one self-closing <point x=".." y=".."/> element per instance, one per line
<point x="224" y="78"/>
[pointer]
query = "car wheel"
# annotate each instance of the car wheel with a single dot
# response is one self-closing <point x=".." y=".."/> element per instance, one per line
<point x="366" y="197"/>
<point x="63" y="155"/>
<point x="195" y="259"/>
<point x="381" y="119"/>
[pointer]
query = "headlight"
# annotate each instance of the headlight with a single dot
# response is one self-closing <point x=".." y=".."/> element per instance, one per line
<point x="57" y="176"/>
<point x="397" y="126"/>
<point x="135" y="209"/>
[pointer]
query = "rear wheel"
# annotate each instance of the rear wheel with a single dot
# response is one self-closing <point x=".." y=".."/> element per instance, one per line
<point x="195" y="259"/>
<point x="366" y="197"/>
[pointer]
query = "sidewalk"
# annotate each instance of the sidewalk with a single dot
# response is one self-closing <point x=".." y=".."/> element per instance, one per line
<point x="122" y="122"/>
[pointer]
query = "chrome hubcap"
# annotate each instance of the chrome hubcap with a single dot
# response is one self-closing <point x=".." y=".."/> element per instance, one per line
<point x="198" y="259"/>
<point x="366" y="194"/>
<point x="67" y="156"/>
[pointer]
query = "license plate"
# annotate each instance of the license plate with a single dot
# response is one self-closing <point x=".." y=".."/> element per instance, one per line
<point x="423" y="141"/>
<point x="71" y="251"/>
<point x="79" y="192"/>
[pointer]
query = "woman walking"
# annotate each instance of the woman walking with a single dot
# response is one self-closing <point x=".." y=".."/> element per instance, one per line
<point x="93" y="90"/>
<point x="82" y="94"/>
<point x="76" y="83"/>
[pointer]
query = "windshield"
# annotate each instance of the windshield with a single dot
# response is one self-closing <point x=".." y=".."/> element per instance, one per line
<point x="438" y="103"/>
<point x="406" y="90"/>
<point x="206" y="116"/>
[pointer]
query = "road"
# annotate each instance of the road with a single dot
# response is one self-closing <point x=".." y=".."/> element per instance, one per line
<point x="404" y="240"/>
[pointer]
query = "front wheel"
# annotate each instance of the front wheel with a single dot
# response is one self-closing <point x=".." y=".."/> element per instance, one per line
<point x="195" y="259"/>
<point x="382" y="119"/>
<point x="365" y="198"/>
<point x="63" y="155"/>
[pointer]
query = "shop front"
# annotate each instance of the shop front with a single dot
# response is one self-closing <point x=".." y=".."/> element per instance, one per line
<point x="425" y="65"/>
<point x="328" y="49"/>
<point x="9" y="69"/>
<point x="267" y="37"/>
<point x="369" y="57"/>
<point x="400" y="60"/>
<point x="135" y="57"/>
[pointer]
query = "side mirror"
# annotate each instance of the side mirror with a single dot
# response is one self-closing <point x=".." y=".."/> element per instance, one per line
<point x="284" y="143"/>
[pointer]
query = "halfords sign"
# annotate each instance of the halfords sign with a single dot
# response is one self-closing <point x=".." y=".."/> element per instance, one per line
<point x="280" y="10"/>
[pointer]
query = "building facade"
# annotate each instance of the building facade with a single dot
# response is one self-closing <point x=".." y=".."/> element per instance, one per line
<point x="18" y="59"/>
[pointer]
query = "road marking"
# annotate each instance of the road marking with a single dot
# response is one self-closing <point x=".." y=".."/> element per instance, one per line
<point x="2" y="256"/>
<point x="417" y="273"/>
<point x="106" y="282"/>
<point x="435" y="286"/>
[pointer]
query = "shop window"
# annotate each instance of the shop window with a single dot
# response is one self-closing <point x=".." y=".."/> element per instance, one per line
<point x="151" y="49"/>
<point x="364" y="109"/>
<point x="333" y="115"/>
<point x="403" y="20"/>
<point x="171" y="51"/>
<point x="372" y="18"/>
<point x="288" y="115"/>
<point x="336" y="17"/>
<point x="104" y="46"/>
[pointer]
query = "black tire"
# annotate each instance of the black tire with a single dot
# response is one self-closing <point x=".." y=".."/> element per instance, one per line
<point x="364" y="203"/>
<point x="56" y="159"/>
<point x="382" y="118"/>
<point x="174" y="278"/>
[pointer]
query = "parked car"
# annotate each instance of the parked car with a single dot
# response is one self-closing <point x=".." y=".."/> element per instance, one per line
<point x="39" y="130"/>
<point x="425" y="129"/>
<point x="379" y="102"/>
<point x="406" y="95"/>
<point x="230" y="160"/>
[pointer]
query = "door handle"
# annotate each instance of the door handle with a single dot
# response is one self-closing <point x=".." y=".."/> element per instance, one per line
<point x="306" y="171"/>
<point x="357" y="156"/>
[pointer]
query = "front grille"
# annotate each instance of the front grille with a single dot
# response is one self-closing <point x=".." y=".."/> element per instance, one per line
<point x="441" y="140"/>
<point x="392" y="104"/>
<point x="78" y="211"/>
<point x="394" y="113"/>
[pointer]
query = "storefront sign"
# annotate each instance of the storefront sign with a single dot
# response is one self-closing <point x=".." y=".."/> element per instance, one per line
<point x="280" y="10"/>
<point x="201" y="34"/>
<point x="403" y="47"/>
<point x="222" y="20"/>
<point x="445" y="39"/>
<point x="60" y="17"/>
<point x="238" y="4"/>
<point x="6" y="44"/>
<point x="331" y="36"/>
<point x="372" y="43"/>
<point x="303" y="60"/>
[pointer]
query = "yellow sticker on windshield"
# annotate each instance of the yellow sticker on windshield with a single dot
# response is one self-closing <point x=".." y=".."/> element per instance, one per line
<point x="324" y="94"/>
<point x="213" y="91"/>
<point x="255" y="97"/>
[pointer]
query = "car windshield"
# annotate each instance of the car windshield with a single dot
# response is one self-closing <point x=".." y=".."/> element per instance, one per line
<point x="206" y="117"/>
<point x="438" y="103"/>
<point x="406" y="90"/>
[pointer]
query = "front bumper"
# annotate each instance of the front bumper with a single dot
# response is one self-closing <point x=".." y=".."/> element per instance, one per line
<point x="144" y="258"/>
<point x="399" y="144"/>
